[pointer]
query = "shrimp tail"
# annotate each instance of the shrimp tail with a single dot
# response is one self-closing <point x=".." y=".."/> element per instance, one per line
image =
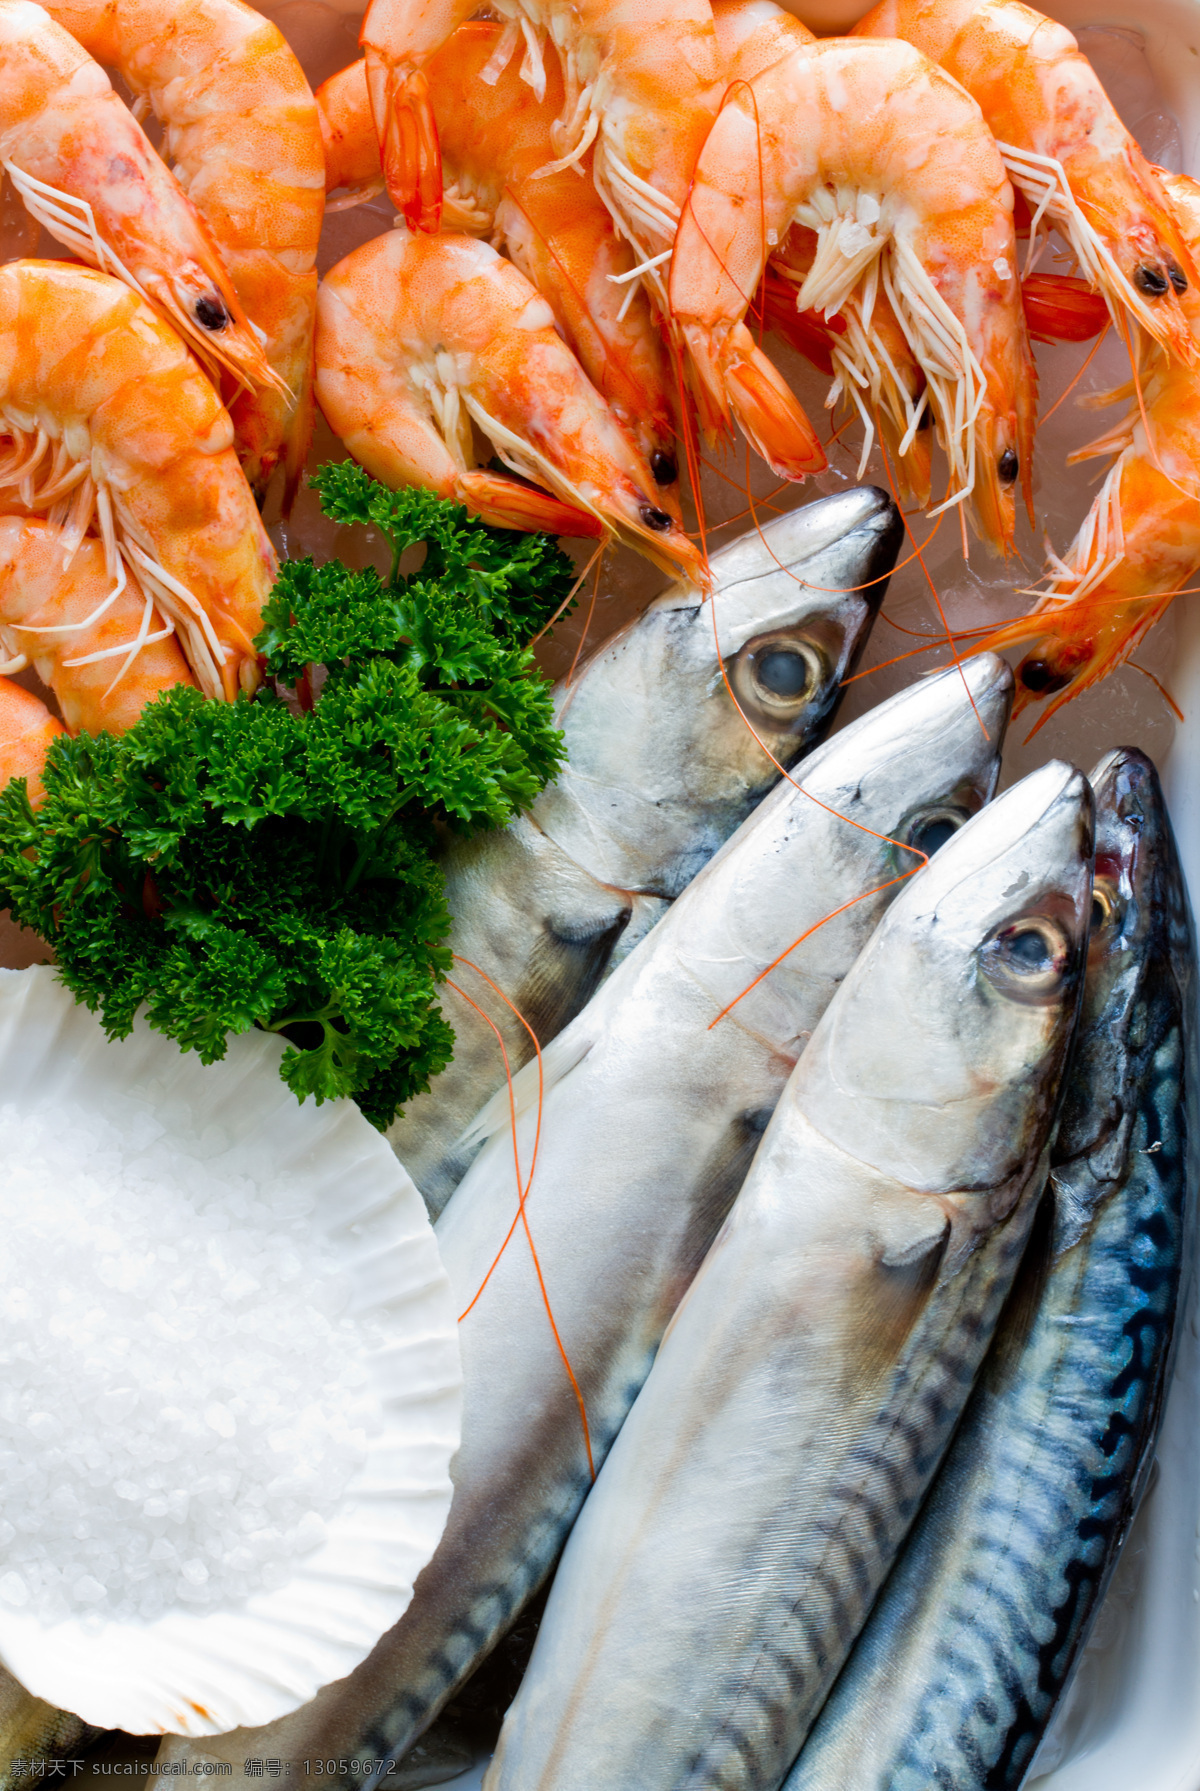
<point x="506" y="504"/>
<point x="412" y="157"/>
<point x="770" y="417"/>
<point x="1062" y="308"/>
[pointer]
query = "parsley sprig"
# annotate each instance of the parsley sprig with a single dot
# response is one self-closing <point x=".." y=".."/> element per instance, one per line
<point x="271" y="862"/>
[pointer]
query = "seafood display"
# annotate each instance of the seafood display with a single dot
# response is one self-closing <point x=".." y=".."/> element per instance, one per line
<point x="601" y="1185"/>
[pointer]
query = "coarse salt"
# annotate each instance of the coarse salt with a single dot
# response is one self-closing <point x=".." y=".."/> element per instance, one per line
<point x="184" y="1397"/>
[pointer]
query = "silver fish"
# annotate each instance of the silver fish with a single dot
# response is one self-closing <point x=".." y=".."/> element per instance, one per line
<point x="973" y="1638"/>
<point x="757" y="1494"/>
<point x="649" y="1121"/>
<point x="661" y="770"/>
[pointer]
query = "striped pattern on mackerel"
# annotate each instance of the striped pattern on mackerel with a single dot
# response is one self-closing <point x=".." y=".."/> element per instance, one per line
<point x="797" y="1409"/>
<point x="973" y="1639"/>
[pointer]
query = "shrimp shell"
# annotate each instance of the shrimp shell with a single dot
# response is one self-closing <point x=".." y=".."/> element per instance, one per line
<point x="110" y="419"/>
<point x="104" y="653"/>
<point x="27" y="729"/>
<point x="86" y="171"/>
<point x="242" y="133"/>
<point x="1064" y="147"/>
<point x="642" y="82"/>
<point x="421" y="337"/>
<point x="895" y="170"/>
<point x="496" y="140"/>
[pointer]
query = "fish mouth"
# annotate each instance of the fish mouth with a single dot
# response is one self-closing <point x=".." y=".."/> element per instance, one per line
<point x="792" y="570"/>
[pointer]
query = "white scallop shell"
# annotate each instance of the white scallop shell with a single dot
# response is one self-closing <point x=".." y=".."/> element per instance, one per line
<point x="200" y="1673"/>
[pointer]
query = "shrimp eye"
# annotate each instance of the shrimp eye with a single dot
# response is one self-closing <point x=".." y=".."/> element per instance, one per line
<point x="1008" y="467"/>
<point x="1029" y="959"/>
<point x="1041" y="679"/>
<point x="655" y="519"/>
<point x="663" y="466"/>
<point x="1177" y="276"/>
<point x="211" y="314"/>
<point x="931" y="830"/>
<point x="1149" y="280"/>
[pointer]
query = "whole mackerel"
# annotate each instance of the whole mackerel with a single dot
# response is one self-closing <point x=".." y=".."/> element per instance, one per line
<point x="800" y="1402"/>
<point x="965" y="1656"/>
<point x="650" y="1118"/>
<point x="661" y="770"/>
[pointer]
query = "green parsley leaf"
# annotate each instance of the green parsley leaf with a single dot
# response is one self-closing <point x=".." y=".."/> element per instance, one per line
<point x="270" y="862"/>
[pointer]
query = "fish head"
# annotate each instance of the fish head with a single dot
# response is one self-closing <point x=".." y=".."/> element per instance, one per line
<point x="977" y="967"/>
<point x="677" y="727"/>
<point x="1138" y="914"/>
<point x="803" y="882"/>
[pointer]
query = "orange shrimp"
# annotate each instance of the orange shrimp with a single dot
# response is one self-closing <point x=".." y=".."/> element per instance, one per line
<point x="26" y="731"/>
<point x="82" y="638"/>
<point x="496" y="140"/>
<point x="895" y="170"/>
<point x="85" y="170"/>
<point x="241" y="129"/>
<point x="109" y="418"/>
<point x="1063" y="146"/>
<point x="421" y="337"/>
<point x="753" y="36"/>
<point x="1139" y="544"/>
<point x="642" y="80"/>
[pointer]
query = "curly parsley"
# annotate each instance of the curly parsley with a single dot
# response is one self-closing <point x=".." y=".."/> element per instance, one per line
<point x="271" y="862"/>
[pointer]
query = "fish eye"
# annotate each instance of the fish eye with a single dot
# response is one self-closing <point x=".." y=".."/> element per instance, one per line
<point x="785" y="674"/>
<point x="1008" y="466"/>
<point x="211" y="314"/>
<point x="930" y="830"/>
<point x="1028" y="959"/>
<point x="1104" y="906"/>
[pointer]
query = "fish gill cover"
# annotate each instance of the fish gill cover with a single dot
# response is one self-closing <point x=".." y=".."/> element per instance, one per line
<point x="271" y="862"/>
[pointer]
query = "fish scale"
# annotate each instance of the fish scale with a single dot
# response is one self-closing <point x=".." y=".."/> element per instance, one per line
<point x="974" y="1637"/>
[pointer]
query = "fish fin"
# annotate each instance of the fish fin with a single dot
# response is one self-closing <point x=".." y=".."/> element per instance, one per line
<point x="558" y="1059"/>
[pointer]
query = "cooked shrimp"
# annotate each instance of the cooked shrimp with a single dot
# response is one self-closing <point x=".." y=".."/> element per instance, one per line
<point x="110" y="418"/>
<point x="1140" y="541"/>
<point x="754" y="35"/>
<point x="240" y="127"/>
<point x="26" y="731"/>
<point x="642" y="81"/>
<point x="886" y="158"/>
<point x="419" y="337"/>
<point x="1063" y="146"/>
<point x="104" y="654"/>
<point x="86" y="170"/>
<point x="495" y="140"/>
